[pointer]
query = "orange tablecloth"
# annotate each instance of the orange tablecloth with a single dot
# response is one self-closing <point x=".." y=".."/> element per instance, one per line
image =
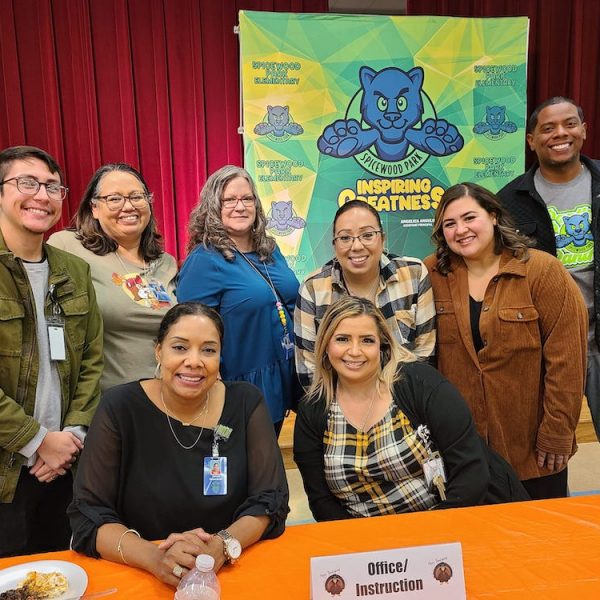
<point x="547" y="550"/>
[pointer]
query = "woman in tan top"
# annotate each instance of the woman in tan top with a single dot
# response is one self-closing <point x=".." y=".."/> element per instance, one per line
<point x="115" y="232"/>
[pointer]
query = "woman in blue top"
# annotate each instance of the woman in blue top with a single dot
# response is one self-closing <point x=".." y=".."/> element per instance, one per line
<point x="235" y="267"/>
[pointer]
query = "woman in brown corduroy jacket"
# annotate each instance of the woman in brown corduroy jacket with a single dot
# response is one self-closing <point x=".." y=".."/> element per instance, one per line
<point x="511" y="336"/>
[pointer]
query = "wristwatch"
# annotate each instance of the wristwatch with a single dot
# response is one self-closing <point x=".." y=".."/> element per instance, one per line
<point x="231" y="546"/>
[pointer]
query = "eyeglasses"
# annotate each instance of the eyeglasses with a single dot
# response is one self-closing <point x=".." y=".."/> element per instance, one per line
<point x="31" y="186"/>
<point x="247" y="201"/>
<point x="116" y="202"/>
<point x="366" y="239"/>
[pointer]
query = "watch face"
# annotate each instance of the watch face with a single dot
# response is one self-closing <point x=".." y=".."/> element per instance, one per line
<point x="234" y="548"/>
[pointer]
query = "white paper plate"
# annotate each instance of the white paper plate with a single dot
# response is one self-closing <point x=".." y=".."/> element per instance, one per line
<point x="76" y="576"/>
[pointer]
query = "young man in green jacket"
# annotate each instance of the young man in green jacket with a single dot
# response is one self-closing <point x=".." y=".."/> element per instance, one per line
<point x="50" y="356"/>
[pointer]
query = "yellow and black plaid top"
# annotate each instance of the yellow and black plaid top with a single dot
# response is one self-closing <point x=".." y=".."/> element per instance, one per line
<point x="376" y="472"/>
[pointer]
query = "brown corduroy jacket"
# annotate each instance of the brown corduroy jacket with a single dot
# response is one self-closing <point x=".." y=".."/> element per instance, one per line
<point x="526" y="385"/>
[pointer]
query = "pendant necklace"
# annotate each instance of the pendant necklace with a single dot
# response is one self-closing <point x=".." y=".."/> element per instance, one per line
<point x="200" y="414"/>
<point x="369" y="410"/>
<point x="146" y="268"/>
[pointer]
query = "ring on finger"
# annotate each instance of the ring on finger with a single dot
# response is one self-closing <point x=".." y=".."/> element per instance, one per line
<point x="178" y="571"/>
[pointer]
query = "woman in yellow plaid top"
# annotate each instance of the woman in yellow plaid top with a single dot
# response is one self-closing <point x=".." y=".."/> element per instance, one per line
<point x="374" y="437"/>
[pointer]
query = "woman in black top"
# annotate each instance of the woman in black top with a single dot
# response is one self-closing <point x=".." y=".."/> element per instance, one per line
<point x="184" y="452"/>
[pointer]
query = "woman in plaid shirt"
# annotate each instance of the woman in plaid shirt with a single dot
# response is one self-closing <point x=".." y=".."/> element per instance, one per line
<point x="375" y="436"/>
<point x="398" y="285"/>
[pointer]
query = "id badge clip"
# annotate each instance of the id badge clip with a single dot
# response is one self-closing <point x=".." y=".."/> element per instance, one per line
<point x="433" y="465"/>
<point x="288" y="346"/>
<point x="55" y="324"/>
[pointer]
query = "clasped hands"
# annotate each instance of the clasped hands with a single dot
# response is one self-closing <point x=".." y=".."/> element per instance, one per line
<point x="183" y="548"/>
<point x="56" y="454"/>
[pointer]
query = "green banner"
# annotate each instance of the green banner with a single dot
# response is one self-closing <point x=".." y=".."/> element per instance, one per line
<point x="388" y="110"/>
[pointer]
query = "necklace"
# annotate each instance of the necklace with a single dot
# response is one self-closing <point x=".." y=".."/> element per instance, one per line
<point x="369" y="409"/>
<point x="200" y="414"/>
<point x="370" y="295"/>
<point x="125" y="269"/>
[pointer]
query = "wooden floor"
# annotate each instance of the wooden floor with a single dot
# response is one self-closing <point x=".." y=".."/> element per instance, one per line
<point x="585" y="433"/>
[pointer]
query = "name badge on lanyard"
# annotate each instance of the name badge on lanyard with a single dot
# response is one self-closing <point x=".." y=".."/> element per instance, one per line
<point x="55" y="324"/>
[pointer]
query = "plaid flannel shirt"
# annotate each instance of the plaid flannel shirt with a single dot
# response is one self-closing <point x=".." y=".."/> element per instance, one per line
<point x="404" y="297"/>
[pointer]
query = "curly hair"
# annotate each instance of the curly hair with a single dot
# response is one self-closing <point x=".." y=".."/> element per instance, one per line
<point x="505" y="234"/>
<point x="91" y="234"/>
<point x="206" y="225"/>
<point x="392" y="354"/>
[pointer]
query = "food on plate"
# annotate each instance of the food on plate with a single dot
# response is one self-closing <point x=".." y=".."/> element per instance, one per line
<point x="18" y="594"/>
<point x="45" y="585"/>
<point x="38" y="586"/>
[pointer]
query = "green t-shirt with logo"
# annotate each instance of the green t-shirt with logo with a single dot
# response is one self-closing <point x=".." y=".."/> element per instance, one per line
<point x="570" y="208"/>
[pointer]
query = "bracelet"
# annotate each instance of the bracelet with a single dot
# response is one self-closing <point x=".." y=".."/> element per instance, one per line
<point x="119" y="548"/>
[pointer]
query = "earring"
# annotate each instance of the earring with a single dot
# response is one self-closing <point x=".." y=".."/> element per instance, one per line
<point x="324" y="358"/>
<point x="157" y="374"/>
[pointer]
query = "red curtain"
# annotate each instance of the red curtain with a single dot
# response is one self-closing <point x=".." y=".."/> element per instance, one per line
<point x="564" y="48"/>
<point x="154" y="83"/>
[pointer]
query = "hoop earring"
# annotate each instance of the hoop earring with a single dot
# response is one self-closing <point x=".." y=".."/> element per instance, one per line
<point x="325" y="361"/>
<point x="157" y="374"/>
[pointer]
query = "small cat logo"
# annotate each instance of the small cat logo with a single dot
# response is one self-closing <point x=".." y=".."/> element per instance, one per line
<point x="278" y="124"/>
<point x="442" y="572"/>
<point x="282" y="219"/>
<point x="335" y="584"/>
<point x="495" y="125"/>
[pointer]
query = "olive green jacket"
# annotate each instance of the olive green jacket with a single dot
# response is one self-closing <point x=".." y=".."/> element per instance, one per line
<point x="79" y="374"/>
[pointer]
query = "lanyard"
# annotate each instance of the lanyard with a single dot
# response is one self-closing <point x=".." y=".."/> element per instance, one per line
<point x="269" y="282"/>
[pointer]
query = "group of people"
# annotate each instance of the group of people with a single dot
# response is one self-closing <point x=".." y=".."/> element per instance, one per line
<point x="198" y="369"/>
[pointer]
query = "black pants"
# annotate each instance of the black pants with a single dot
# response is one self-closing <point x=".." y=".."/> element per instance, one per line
<point x="550" y="486"/>
<point x="277" y="426"/>
<point x="36" y="519"/>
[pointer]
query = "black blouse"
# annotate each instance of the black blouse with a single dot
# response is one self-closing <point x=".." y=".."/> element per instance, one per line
<point x="132" y="470"/>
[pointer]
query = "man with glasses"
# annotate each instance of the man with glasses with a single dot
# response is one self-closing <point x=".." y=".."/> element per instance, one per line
<point x="50" y="356"/>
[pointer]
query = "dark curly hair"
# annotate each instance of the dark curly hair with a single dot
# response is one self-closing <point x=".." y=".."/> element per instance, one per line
<point x="505" y="234"/>
<point x="91" y="234"/>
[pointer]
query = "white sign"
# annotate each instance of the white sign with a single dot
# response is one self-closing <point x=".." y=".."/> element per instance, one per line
<point x="424" y="572"/>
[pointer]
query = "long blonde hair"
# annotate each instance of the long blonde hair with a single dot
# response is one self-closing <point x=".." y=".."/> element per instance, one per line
<point x="392" y="355"/>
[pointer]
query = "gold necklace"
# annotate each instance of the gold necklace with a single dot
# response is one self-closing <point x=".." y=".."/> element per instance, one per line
<point x="201" y="413"/>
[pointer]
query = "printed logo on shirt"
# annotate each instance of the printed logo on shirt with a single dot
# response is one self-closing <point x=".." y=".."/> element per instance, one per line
<point x="574" y="238"/>
<point x="143" y="291"/>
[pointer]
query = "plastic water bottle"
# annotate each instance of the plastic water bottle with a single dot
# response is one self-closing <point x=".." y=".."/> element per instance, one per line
<point x="200" y="583"/>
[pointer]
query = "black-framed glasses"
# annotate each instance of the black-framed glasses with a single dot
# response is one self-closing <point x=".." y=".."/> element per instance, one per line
<point x="116" y="202"/>
<point x="31" y="186"/>
<point x="247" y="201"/>
<point x="367" y="238"/>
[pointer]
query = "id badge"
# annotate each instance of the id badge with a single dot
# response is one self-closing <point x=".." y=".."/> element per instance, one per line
<point x="56" y="338"/>
<point x="215" y="475"/>
<point x="432" y="468"/>
<point x="288" y="346"/>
